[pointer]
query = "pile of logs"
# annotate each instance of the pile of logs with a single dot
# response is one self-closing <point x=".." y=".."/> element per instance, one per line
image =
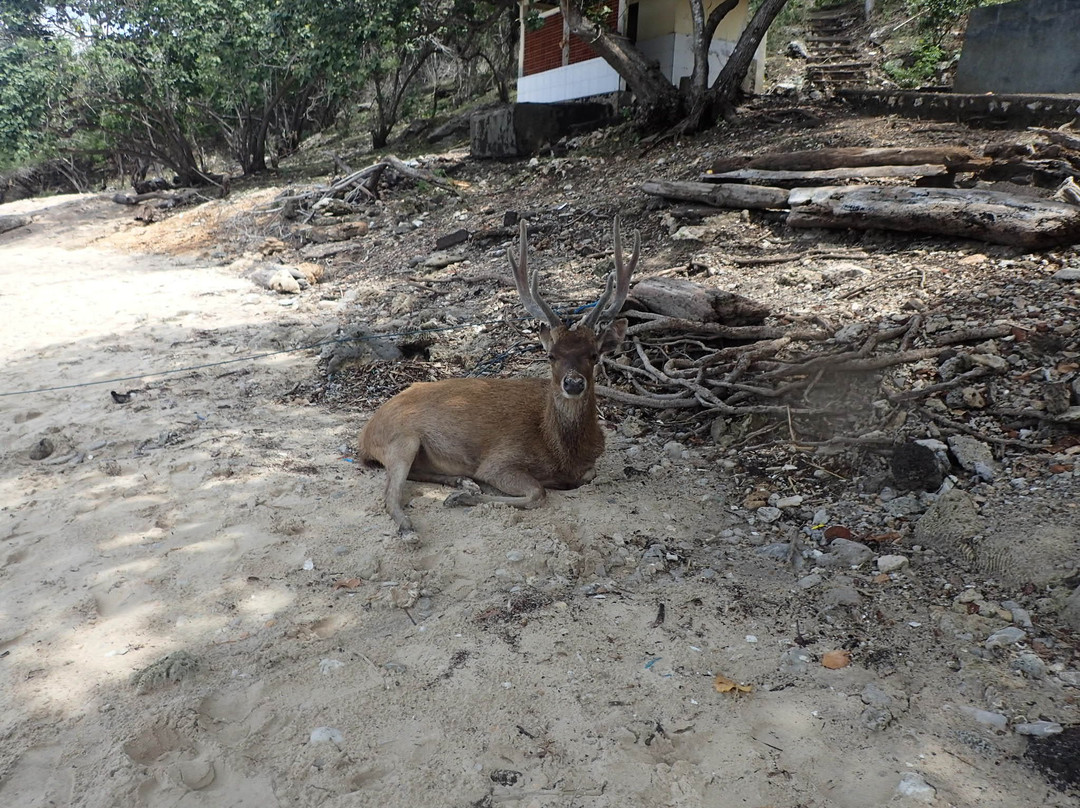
<point x="858" y="188"/>
<point x="345" y="194"/>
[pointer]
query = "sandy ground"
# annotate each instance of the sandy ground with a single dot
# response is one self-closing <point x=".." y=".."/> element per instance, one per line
<point x="318" y="662"/>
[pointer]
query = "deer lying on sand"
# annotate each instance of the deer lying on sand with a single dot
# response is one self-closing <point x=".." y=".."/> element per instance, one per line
<point x="519" y="436"/>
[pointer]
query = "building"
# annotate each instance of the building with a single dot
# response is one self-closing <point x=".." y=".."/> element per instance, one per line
<point x="555" y="66"/>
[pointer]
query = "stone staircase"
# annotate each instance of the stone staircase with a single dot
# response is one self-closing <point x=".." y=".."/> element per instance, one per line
<point x="835" y="61"/>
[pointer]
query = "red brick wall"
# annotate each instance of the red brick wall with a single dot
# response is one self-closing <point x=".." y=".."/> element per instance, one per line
<point x="580" y="51"/>
<point x="543" y="48"/>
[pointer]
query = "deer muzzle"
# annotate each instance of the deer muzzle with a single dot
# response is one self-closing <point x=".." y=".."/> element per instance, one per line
<point x="574" y="384"/>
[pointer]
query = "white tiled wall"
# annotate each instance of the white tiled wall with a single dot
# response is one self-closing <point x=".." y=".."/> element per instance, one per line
<point x="581" y="80"/>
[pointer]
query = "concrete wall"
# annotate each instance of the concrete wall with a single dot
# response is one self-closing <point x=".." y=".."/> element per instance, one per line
<point x="1030" y="46"/>
<point x="522" y="129"/>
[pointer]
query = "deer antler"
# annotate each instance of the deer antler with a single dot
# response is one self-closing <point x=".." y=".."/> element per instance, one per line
<point x="528" y="284"/>
<point x="618" y="282"/>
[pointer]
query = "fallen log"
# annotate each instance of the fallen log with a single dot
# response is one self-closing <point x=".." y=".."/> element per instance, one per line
<point x="991" y="216"/>
<point x="324" y="234"/>
<point x="720" y="195"/>
<point x="13" y="222"/>
<point x="686" y="300"/>
<point x="828" y="176"/>
<point x="955" y="157"/>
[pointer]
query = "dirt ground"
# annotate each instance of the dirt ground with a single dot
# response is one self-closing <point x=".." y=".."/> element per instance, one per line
<point x="204" y="603"/>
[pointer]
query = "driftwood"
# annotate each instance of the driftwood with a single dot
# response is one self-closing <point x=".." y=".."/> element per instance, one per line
<point x="681" y="299"/>
<point x="830" y="176"/>
<point x="349" y="192"/>
<point x="12" y="222"/>
<point x="955" y="157"/>
<point x="314" y="234"/>
<point x="991" y="216"/>
<point x="161" y="200"/>
<point x="720" y="195"/>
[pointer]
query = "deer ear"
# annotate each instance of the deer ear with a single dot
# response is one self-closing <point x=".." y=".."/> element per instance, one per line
<point x="612" y="336"/>
<point x="546" y="339"/>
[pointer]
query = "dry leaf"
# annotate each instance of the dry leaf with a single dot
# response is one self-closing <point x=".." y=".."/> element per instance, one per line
<point x="883" y="578"/>
<point x="725" y="685"/>
<point x="834" y="660"/>
<point x="891" y="537"/>
<point x="837" y="532"/>
<point x="347" y="583"/>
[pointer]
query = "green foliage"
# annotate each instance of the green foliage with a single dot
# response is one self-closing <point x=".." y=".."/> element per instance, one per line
<point x="922" y="70"/>
<point x="180" y="83"/>
<point x="937" y="18"/>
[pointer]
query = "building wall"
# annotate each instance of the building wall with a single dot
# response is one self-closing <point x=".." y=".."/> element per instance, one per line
<point x="543" y="48"/>
<point x="581" y="80"/>
<point x="1030" y="46"/>
<point x="729" y="29"/>
<point x="663" y="34"/>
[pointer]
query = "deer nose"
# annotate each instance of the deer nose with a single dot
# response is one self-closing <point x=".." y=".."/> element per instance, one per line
<point x="573" y="384"/>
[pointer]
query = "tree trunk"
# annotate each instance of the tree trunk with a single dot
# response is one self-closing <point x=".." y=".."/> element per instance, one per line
<point x="957" y="158"/>
<point x="986" y="215"/>
<point x="722" y="93"/>
<point x="719" y="195"/>
<point x="659" y="100"/>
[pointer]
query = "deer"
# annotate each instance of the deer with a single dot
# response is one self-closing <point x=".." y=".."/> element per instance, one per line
<point x="518" y="436"/>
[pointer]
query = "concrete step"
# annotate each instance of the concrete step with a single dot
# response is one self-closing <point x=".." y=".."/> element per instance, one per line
<point x="839" y="10"/>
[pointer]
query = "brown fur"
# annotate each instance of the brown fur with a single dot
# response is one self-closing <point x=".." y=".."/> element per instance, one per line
<point x="520" y="436"/>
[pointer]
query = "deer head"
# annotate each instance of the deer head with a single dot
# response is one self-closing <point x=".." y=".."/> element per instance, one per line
<point x="574" y="349"/>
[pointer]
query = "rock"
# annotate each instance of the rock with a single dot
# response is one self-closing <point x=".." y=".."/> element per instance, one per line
<point x="876" y="718"/>
<point x="439" y="260"/>
<point x="845" y="553"/>
<point x="42" y="449"/>
<point x="1070" y="614"/>
<point x="1029" y="664"/>
<point x="873" y="696"/>
<point x="1068" y="274"/>
<point x="841" y="596"/>
<point x="196" y="774"/>
<point x="809" y="581"/>
<point x="993" y="720"/>
<point x="913" y="786"/>
<point x="674" y="450"/>
<point x="327" y="735"/>
<point x="796" y="50"/>
<point x="904" y="506"/>
<point x="789" y="502"/>
<point x="1039" y="729"/>
<point x="1019" y="616"/>
<point x="768" y="513"/>
<point x="171" y="668"/>
<point x="973" y="455"/>
<point x="780" y="551"/>
<point x="794" y="661"/>
<point x="328" y="666"/>
<point x="891" y="563"/>
<point x="1005" y="637"/>
<point x="451" y="239"/>
<point x="954" y="366"/>
<point x="916" y="467"/>
<point x="951" y="523"/>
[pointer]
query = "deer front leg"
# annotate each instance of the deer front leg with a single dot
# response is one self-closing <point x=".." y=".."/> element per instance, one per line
<point x="521" y="488"/>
